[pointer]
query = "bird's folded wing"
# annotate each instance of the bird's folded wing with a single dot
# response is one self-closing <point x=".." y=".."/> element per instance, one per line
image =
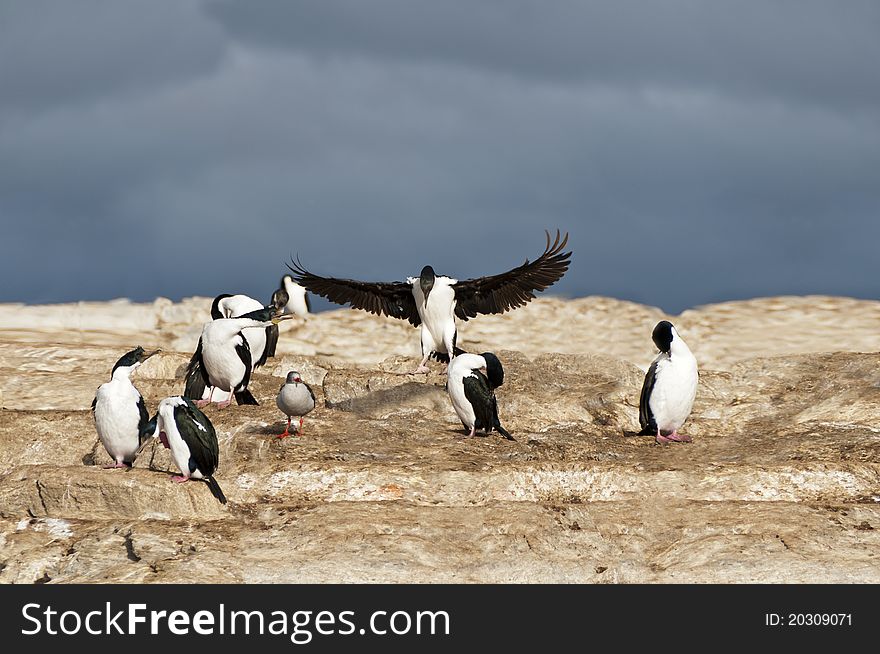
<point x="393" y="299"/>
<point x="499" y="293"/>
<point x="646" y="417"/>
<point x="196" y="375"/>
<point x="477" y="392"/>
<point x="199" y="435"/>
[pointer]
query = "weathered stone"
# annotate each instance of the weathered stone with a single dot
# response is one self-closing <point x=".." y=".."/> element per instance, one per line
<point x="781" y="483"/>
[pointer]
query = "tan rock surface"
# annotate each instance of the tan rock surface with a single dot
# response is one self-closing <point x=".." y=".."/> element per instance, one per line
<point x="782" y="482"/>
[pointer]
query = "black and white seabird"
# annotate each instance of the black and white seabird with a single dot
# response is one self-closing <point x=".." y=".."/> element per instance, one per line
<point x="433" y="301"/>
<point x="121" y="417"/>
<point x="223" y="357"/>
<point x="297" y="298"/>
<point x="190" y="436"/>
<point x="228" y="306"/>
<point x="261" y="341"/>
<point x="295" y="398"/>
<point x="473" y="393"/>
<point x="670" y="387"/>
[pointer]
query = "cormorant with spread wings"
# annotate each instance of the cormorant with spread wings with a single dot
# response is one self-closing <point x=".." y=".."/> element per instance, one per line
<point x="433" y="301"/>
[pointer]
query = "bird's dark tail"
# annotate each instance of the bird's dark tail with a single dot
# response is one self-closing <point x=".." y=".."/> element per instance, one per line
<point x="496" y="423"/>
<point x="195" y="380"/>
<point x="442" y="357"/>
<point x="244" y="397"/>
<point x="216" y="491"/>
<point x="501" y="430"/>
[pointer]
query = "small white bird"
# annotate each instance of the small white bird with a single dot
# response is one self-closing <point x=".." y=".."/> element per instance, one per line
<point x="297" y="301"/>
<point x="473" y="393"/>
<point x="295" y="398"/>
<point x="121" y="417"/>
<point x="670" y="387"/>
<point x="190" y="436"/>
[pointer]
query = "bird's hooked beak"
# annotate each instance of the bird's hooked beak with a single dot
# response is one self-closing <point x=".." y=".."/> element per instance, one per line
<point x="143" y="357"/>
<point x="278" y="318"/>
<point x="147" y="355"/>
<point x="298" y="380"/>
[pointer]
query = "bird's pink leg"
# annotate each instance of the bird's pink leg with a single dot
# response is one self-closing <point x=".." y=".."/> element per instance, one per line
<point x="203" y="403"/>
<point x="674" y="437"/>
<point x="225" y="403"/>
<point x="299" y="432"/>
<point x="286" y="430"/>
<point x="179" y="479"/>
<point x="422" y="366"/>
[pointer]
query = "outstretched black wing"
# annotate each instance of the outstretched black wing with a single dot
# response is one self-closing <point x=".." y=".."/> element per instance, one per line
<point x="199" y="435"/>
<point x="646" y="416"/>
<point x="476" y="390"/>
<point x="393" y="299"/>
<point x="196" y="376"/>
<point x="499" y="293"/>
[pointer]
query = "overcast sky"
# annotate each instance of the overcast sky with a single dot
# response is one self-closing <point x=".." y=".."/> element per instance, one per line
<point x="696" y="151"/>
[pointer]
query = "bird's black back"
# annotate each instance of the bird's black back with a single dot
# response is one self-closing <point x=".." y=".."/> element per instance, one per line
<point x="198" y="433"/>
<point x="646" y="416"/>
<point x="478" y="393"/>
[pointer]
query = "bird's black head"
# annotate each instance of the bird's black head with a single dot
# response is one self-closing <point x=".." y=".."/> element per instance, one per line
<point x="280" y="298"/>
<point x="215" y="306"/>
<point x="266" y="314"/>
<point x="426" y="281"/>
<point x="663" y="335"/>
<point x="133" y="358"/>
<point x="494" y="370"/>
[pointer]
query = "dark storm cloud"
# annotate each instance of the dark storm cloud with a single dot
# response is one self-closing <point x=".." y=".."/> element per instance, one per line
<point x="53" y="52"/>
<point x="180" y="148"/>
<point x="806" y="50"/>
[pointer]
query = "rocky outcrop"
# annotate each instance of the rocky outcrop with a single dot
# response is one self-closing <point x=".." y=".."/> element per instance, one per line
<point x="781" y="483"/>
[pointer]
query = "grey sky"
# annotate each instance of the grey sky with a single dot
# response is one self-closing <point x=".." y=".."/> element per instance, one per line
<point x="696" y="151"/>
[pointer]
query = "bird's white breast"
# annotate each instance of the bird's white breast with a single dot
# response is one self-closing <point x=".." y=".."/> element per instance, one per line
<point x="238" y="305"/>
<point x="296" y="303"/>
<point x="438" y="315"/>
<point x="675" y="388"/>
<point x="461" y="367"/>
<point x="117" y="417"/>
<point x="224" y="367"/>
